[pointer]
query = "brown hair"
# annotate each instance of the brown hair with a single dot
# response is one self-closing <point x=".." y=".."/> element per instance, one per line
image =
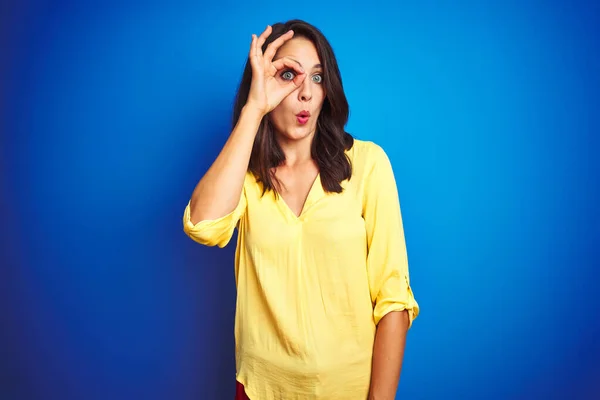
<point x="330" y="141"/>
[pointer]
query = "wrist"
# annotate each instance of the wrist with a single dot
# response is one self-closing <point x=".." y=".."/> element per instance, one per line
<point x="253" y="111"/>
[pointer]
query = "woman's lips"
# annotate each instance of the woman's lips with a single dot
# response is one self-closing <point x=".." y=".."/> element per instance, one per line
<point x="302" y="119"/>
<point x="303" y="116"/>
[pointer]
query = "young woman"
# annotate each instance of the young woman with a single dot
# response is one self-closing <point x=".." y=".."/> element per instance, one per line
<point x="323" y="294"/>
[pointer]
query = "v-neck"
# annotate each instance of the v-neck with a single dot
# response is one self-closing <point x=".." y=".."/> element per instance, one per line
<point x="314" y="194"/>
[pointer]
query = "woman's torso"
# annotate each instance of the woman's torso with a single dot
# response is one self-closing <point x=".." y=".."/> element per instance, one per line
<point x="304" y="317"/>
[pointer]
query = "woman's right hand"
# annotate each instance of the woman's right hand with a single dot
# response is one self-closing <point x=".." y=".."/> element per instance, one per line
<point x="267" y="88"/>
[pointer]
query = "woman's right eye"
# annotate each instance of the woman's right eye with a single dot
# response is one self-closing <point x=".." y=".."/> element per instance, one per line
<point x="288" y="75"/>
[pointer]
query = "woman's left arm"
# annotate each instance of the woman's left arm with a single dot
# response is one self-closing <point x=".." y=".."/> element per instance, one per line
<point x="388" y="353"/>
<point x="394" y="305"/>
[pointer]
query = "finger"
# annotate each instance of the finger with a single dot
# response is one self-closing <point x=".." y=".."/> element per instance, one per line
<point x="263" y="37"/>
<point x="298" y="79"/>
<point x="276" y="44"/>
<point x="285" y="62"/>
<point x="257" y="53"/>
<point x="292" y="85"/>
<point x="252" y="54"/>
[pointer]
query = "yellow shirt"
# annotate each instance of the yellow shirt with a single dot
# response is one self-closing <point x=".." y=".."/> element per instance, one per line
<point x="311" y="289"/>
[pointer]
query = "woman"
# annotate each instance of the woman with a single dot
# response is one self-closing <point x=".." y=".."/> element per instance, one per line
<point x="323" y="300"/>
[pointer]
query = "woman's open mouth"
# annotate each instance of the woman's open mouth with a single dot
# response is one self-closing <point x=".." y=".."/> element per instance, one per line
<point x="303" y="117"/>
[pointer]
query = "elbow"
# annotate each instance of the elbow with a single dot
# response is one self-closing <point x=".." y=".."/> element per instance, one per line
<point x="195" y="218"/>
<point x="207" y="214"/>
<point x="203" y="236"/>
<point x="206" y="231"/>
<point x="195" y="213"/>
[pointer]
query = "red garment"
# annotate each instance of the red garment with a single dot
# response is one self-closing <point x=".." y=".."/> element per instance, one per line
<point x="240" y="393"/>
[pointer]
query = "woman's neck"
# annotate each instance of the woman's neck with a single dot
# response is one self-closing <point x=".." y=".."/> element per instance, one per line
<point x="297" y="152"/>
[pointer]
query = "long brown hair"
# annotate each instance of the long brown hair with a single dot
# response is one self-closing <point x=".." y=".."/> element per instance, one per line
<point x="330" y="141"/>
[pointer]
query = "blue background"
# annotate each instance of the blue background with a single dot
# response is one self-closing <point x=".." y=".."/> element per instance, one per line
<point x="112" y="113"/>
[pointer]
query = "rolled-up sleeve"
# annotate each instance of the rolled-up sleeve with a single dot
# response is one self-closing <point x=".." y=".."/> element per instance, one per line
<point x="387" y="261"/>
<point x="214" y="232"/>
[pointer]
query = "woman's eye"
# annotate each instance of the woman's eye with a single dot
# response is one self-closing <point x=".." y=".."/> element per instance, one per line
<point x="288" y="75"/>
<point x="318" y="78"/>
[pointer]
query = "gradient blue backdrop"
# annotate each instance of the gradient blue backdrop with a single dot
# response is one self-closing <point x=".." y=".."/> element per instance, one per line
<point x="112" y="113"/>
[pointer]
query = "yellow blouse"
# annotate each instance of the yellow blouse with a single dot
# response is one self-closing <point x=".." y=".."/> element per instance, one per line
<point x="311" y="289"/>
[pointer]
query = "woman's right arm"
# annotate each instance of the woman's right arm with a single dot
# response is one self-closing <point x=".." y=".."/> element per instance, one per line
<point x="218" y="192"/>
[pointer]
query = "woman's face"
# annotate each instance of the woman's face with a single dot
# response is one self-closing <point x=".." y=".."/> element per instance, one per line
<point x="288" y="117"/>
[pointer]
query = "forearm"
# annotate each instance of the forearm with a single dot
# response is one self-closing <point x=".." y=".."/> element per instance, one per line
<point x="388" y="353"/>
<point x="219" y="190"/>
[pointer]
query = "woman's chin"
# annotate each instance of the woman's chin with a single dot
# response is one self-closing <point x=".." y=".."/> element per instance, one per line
<point x="298" y="133"/>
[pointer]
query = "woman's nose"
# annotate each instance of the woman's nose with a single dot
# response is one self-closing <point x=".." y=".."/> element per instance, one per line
<point x="305" y="92"/>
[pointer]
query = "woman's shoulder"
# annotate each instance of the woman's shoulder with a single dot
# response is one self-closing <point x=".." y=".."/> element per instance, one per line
<point x="365" y="153"/>
<point x="251" y="182"/>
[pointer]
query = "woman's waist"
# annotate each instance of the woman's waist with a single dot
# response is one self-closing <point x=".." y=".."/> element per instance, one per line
<point x="307" y="370"/>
